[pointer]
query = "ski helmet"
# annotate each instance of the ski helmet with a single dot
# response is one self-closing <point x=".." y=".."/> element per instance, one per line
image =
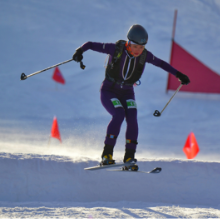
<point x="137" y="34"/>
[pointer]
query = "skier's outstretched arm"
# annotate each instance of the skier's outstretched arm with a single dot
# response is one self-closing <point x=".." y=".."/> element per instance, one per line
<point x="167" y="67"/>
<point x="107" y="48"/>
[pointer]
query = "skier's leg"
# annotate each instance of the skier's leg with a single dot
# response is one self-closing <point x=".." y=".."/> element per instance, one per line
<point x="114" y="107"/>
<point x="132" y="127"/>
<point x="131" y="134"/>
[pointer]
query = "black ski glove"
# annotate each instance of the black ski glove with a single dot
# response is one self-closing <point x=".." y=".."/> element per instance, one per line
<point x="183" y="78"/>
<point x="77" y="56"/>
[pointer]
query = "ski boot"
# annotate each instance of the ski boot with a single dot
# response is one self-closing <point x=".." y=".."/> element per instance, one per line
<point x="129" y="158"/>
<point x="132" y="167"/>
<point x="107" y="160"/>
<point x="107" y="155"/>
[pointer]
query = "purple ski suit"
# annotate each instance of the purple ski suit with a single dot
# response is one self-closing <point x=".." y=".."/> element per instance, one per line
<point x="118" y="98"/>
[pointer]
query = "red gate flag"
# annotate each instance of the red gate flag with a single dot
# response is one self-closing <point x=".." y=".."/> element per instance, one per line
<point x="55" y="130"/>
<point x="202" y="78"/>
<point x="191" y="148"/>
<point x="57" y="76"/>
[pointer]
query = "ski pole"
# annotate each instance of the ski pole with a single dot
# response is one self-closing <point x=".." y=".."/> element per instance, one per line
<point x="157" y="113"/>
<point x="23" y="76"/>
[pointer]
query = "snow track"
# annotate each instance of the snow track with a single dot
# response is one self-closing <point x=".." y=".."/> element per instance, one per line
<point x="36" y="184"/>
<point x="37" y="178"/>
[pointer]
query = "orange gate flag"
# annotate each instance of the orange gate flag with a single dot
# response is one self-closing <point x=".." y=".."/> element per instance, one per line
<point x="55" y="130"/>
<point x="191" y="148"/>
<point x="57" y="76"/>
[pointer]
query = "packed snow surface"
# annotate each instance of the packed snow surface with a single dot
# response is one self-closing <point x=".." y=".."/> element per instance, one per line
<point x="41" y="180"/>
<point x="58" y="185"/>
<point x="30" y="178"/>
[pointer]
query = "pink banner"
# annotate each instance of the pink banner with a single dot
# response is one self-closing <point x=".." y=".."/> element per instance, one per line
<point x="202" y="79"/>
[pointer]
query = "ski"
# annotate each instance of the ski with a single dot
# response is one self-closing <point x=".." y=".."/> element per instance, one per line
<point x="98" y="167"/>
<point x="155" y="170"/>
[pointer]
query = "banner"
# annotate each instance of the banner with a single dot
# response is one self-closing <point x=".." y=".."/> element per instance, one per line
<point x="202" y="78"/>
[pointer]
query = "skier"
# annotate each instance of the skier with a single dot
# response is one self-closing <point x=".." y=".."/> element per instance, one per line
<point x="126" y="64"/>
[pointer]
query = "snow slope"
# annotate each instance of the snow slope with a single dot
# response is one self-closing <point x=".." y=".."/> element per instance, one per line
<point x="37" y="35"/>
<point x="40" y="179"/>
<point x="40" y="183"/>
<point x="31" y="178"/>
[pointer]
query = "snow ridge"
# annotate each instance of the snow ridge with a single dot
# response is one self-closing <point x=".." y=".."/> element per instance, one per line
<point x="42" y="178"/>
